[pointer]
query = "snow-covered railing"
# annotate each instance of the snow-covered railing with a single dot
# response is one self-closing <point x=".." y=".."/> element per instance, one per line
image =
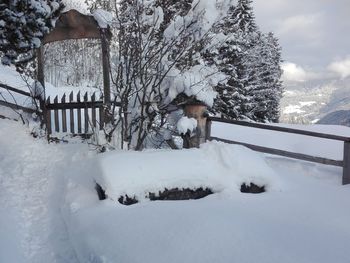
<point x="345" y="163"/>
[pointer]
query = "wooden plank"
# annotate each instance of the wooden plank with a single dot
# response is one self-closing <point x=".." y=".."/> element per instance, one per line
<point x="283" y="129"/>
<point x="346" y="167"/>
<point x="86" y="114"/>
<point x="102" y="117"/>
<point x="79" y="114"/>
<point x="57" y="123"/>
<point x="4" y="86"/>
<point x="93" y="111"/>
<point x="64" y="115"/>
<point x="73" y="105"/>
<point x="16" y="107"/>
<point x="71" y="114"/>
<point x="292" y="155"/>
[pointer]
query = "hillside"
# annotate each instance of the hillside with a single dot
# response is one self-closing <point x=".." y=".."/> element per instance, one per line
<point x="307" y="102"/>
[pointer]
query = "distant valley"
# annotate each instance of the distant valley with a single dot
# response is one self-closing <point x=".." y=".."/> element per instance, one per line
<point x="324" y="101"/>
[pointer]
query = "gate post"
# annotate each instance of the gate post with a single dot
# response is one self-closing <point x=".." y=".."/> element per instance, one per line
<point x="196" y="110"/>
<point x="106" y="68"/>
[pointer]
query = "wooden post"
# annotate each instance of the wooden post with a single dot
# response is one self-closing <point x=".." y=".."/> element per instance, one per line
<point x="40" y="73"/>
<point x="208" y="129"/>
<point x="105" y="65"/>
<point x="198" y="112"/>
<point x="346" y="163"/>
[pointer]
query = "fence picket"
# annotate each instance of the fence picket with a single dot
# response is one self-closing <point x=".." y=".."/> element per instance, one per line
<point x="102" y="119"/>
<point x="64" y="115"/>
<point x="93" y="110"/>
<point x="86" y="114"/>
<point x="71" y="113"/>
<point x="57" y="124"/>
<point x="48" y="118"/>
<point x="79" y="114"/>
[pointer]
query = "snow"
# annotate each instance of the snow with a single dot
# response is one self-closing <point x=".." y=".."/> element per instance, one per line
<point x="218" y="166"/>
<point x="47" y="198"/>
<point x="50" y="212"/>
<point x="103" y="18"/>
<point x="31" y="226"/>
<point x="186" y="124"/>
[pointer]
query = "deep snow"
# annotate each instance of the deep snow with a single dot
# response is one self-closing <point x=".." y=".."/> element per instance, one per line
<point x="50" y="211"/>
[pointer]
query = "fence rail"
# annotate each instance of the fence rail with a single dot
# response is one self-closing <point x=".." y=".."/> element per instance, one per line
<point x="15" y="106"/>
<point x="345" y="163"/>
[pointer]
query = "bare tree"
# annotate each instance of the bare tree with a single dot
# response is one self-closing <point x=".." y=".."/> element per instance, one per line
<point x="149" y="59"/>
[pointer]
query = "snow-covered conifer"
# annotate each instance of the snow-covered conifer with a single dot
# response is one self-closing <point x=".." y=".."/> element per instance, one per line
<point x="23" y="24"/>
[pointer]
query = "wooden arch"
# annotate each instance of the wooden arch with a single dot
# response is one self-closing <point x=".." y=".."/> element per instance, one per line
<point x="74" y="25"/>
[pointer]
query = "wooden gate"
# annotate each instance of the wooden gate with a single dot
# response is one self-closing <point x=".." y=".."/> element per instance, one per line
<point x="77" y="115"/>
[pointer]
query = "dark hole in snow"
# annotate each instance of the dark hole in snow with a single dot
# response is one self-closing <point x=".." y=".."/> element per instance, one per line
<point x="174" y="194"/>
<point x="100" y="192"/>
<point x="252" y="189"/>
<point x="177" y="194"/>
<point x="126" y="200"/>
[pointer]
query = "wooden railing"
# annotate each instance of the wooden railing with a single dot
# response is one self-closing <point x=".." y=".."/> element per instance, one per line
<point x="345" y="163"/>
<point x="12" y="105"/>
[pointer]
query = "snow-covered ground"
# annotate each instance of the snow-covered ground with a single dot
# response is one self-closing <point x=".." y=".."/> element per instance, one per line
<point x="50" y="212"/>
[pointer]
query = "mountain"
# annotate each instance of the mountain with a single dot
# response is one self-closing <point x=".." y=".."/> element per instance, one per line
<point x="341" y="117"/>
<point x="309" y="101"/>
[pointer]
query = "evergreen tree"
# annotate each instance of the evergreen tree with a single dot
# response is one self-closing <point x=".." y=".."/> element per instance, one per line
<point x="251" y="62"/>
<point x="22" y="26"/>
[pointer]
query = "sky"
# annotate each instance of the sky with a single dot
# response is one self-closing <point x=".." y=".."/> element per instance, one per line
<point x="314" y="35"/>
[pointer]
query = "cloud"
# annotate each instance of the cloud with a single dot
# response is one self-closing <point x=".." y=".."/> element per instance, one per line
<point x="304" y="27"/>
<point x="294" y="73"/>
<point x="341" y="67"/>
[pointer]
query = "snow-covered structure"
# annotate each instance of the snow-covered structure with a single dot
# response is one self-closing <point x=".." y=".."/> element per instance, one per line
<point x="75" y="25"/>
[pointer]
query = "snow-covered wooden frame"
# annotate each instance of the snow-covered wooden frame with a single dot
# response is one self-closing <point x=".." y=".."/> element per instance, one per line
<point x="74" y="25"/>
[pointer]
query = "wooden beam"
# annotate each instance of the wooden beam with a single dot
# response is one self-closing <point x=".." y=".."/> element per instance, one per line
<point x="16" y="107"/>
<point x="287" y="154"/>
<point x="4" y="86"/>
<point x="73" y="25"/>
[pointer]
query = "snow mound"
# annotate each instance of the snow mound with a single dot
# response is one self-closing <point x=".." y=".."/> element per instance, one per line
<point x="217" y="166"/>
<point x="186" y="124"/>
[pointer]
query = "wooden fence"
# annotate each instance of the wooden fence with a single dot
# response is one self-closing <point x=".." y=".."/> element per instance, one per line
<point x="12" y="105"/>
<point x="74" y="114"/>
<point x="345" y="163"/>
